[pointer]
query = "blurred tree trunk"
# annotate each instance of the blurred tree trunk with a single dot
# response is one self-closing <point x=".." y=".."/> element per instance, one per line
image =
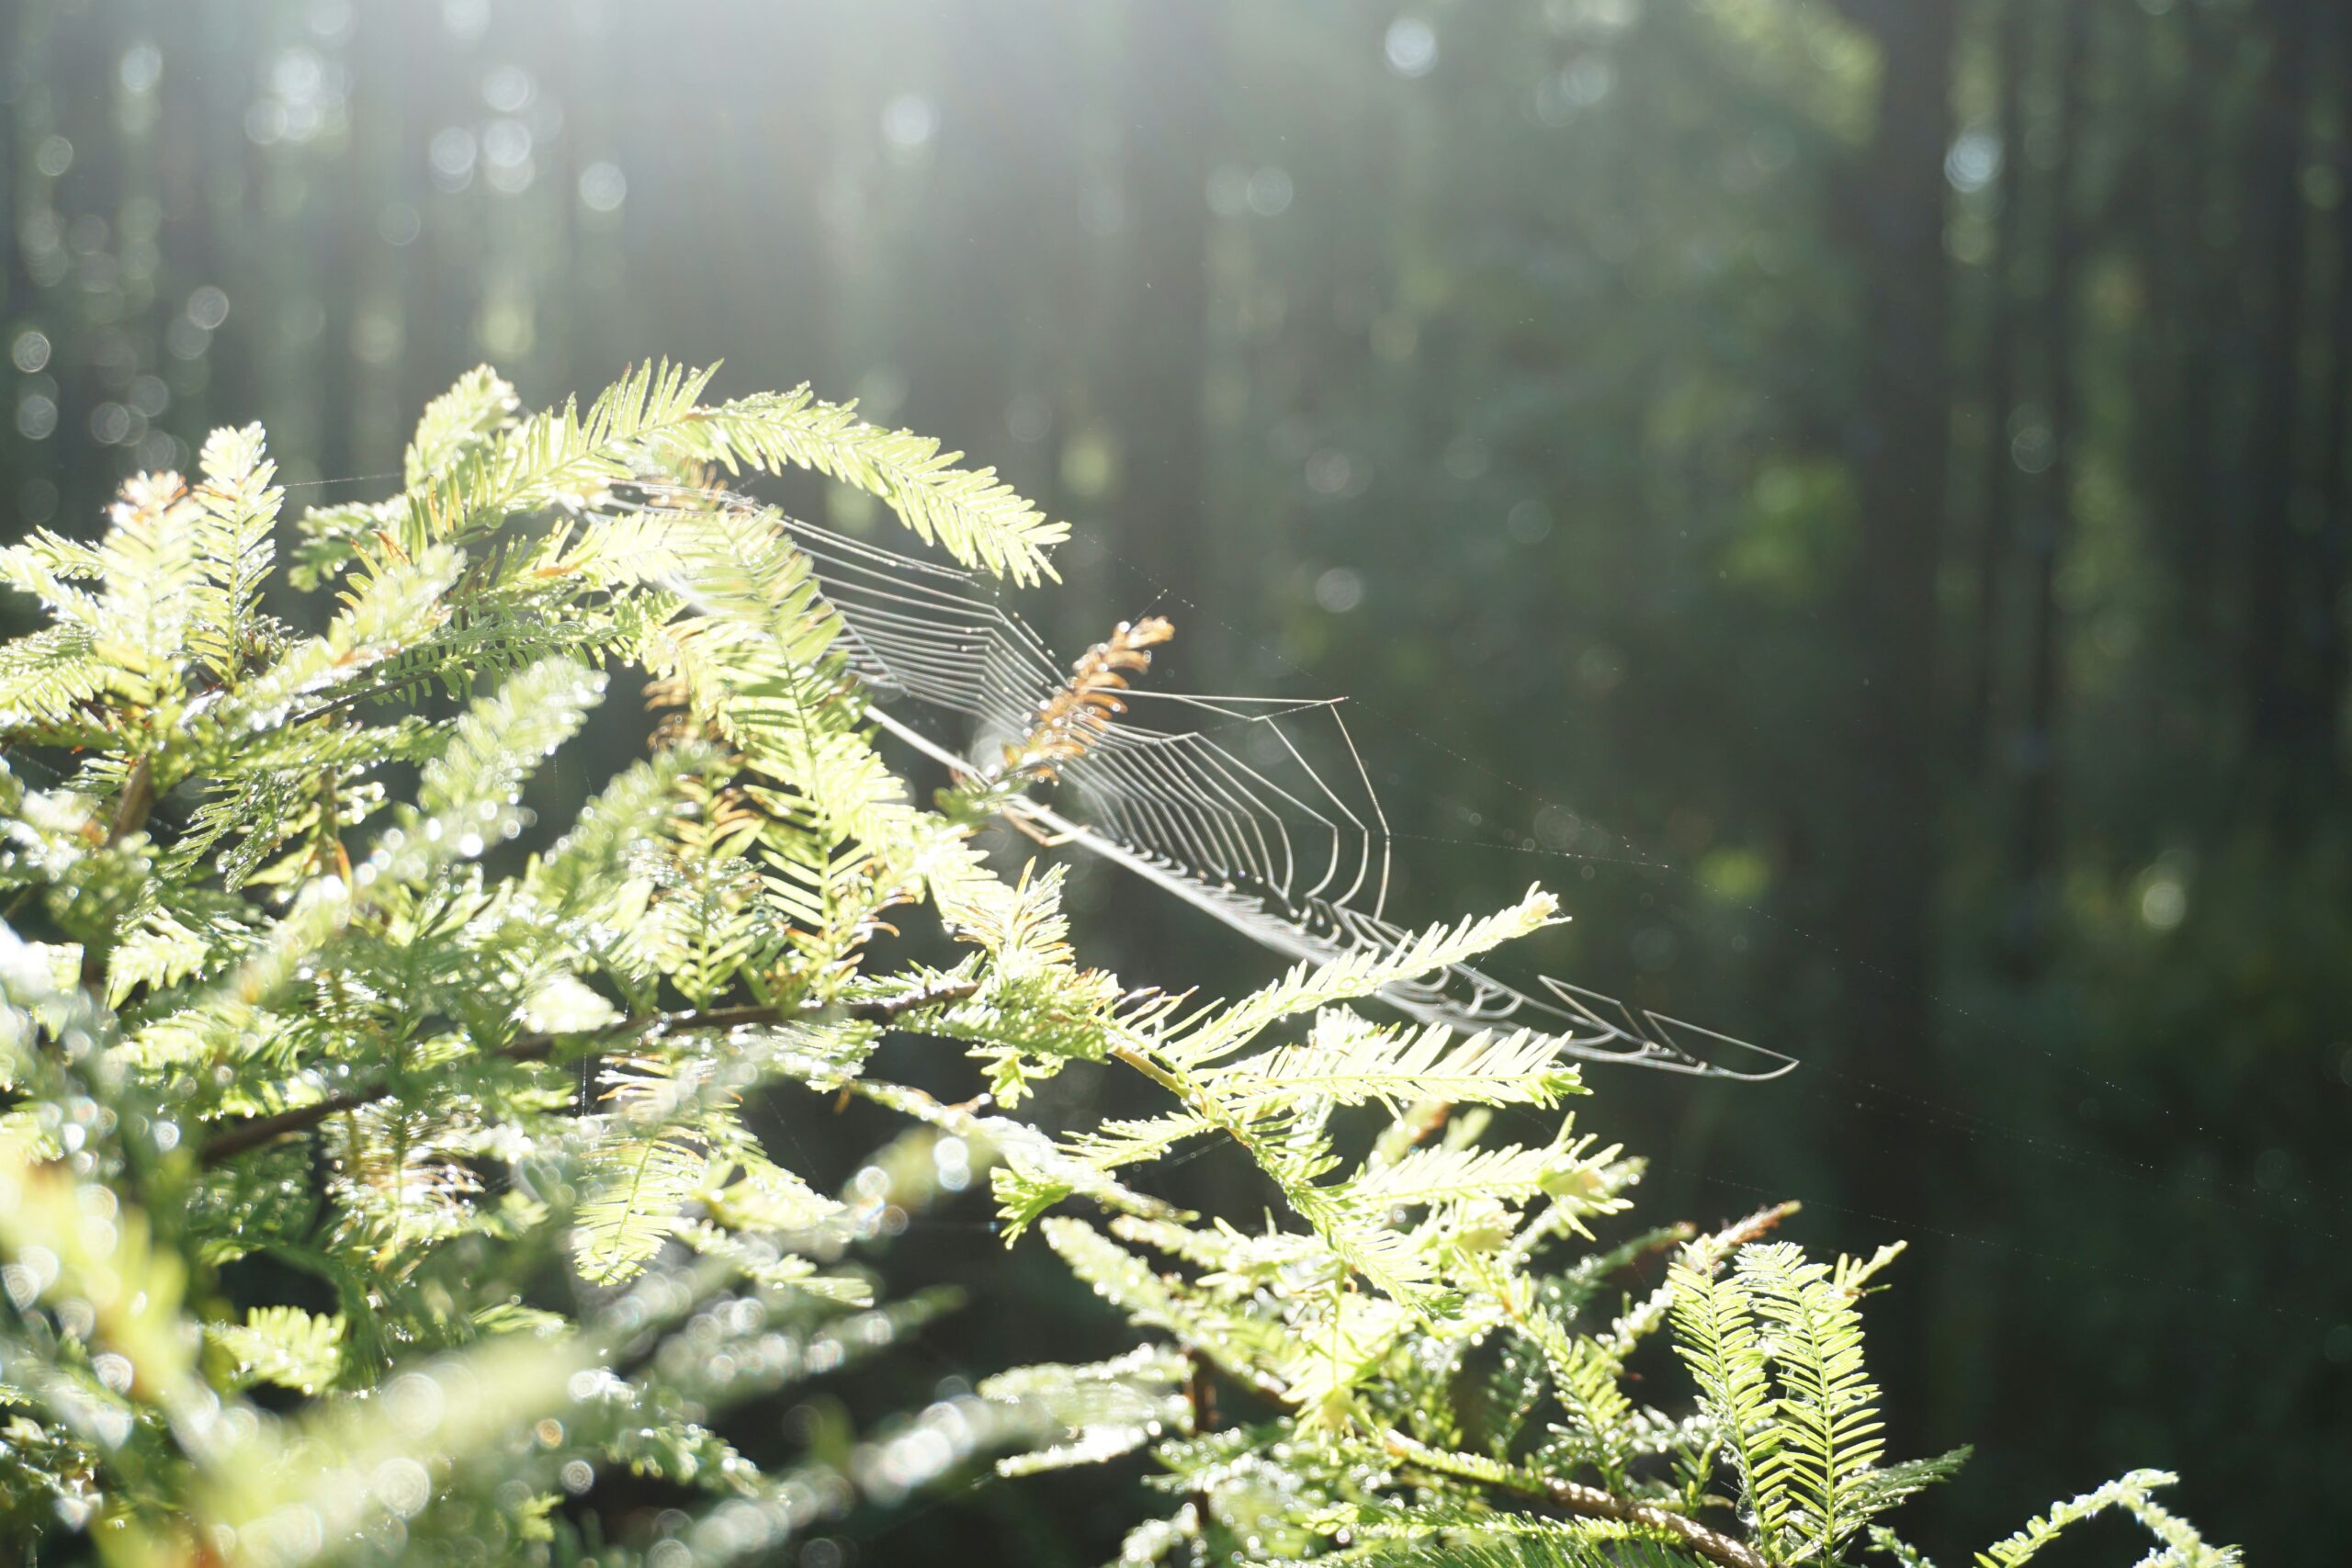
<point x="796" y="124"/>
<point x="75" y="48"/>
<point x="1902" y="461"/>
<point x="185" y="237"/>
<point x="442" y="266"/>
<point x="1006" y="188"/>
<point x="1997" y="528"/>
<point x="2052" y="515"/>
<point x="2335" y="426"/>
<point x="1895" y="211"/>
<point x="16" y="281"/>
<point x="336" y="225"/>
<point x="2197" y="275"/>
<point x="378" y="154"/>
<point x="1160" y="382"/>
<point x="20" y="458"/>
<point x="2277" y="700"/>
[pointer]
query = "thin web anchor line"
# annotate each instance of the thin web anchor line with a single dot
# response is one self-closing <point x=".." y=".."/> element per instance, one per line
<point x="1020" y="661"/>
<point x="1803" y="933"/>
<point x="1847" y="962"/>
<point x="1295" y="856"/>
<point x="818" y="541"/>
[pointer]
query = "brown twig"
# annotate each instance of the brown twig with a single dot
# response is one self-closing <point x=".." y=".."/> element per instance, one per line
<point x="236" y="1139"/>
<point x="1715" y="1248"/>
<point x="1200" y="1393"/>
<point x="1591" y="1501"/>
<point x="1576" y="1497"/>
<point x="137" y="800"/>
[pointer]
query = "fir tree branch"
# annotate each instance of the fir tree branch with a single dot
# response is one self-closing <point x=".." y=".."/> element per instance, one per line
<point x="1574" y="1497"/>
<point x="243" y="1137"/>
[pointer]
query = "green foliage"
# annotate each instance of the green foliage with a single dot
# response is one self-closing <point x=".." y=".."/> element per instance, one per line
<point x="2179" y="1543"/>
<point x="379" y="1174"/>
<point x="284" y="997"/>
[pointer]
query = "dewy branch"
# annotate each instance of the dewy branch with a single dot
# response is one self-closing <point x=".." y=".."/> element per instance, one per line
<point x="237" y="1139"/>
<point x="1576" y="1498"/>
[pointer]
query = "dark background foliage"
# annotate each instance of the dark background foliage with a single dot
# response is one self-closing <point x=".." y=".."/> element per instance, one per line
<point x="1856" y="495"/>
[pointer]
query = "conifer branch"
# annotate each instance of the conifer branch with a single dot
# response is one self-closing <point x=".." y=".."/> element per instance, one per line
<point x="241" y="1136"/>
<point x="1573" y="1498"/>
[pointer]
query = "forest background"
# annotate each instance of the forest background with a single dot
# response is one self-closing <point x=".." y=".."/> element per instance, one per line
<point x="1856" y="495"/>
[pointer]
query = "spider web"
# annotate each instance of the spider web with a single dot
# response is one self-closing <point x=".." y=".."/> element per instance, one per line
<point x="1212" y="799"/>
